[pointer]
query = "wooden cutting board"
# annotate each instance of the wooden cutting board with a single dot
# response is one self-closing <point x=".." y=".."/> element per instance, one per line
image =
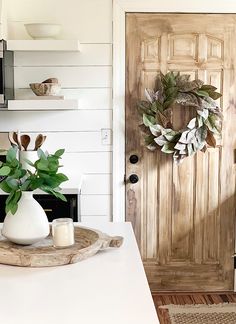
<point x="42" y="254"/>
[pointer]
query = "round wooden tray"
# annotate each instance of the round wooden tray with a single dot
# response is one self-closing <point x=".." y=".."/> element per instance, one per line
<point x="42" y="254"/>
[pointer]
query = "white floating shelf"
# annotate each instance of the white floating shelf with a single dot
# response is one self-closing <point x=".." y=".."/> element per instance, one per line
<point x="67" y="104"/>
<point x="44" y="45"/>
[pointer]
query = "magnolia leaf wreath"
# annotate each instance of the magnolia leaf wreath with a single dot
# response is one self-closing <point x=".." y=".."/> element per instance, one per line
<point x="200" y="132"/>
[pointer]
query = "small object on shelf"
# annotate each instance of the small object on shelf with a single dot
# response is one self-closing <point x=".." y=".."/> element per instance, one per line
<point x="43" y="254"/>
<point x="51" y="80"/>
<point x="63" y="232"/>
<point x="46" y="88"/>
<point x="42" y="30"/>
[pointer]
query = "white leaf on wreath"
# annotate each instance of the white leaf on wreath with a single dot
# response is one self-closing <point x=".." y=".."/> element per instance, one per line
<point x="187" y="99"/>
<point x="151" y="147"/>
<point x="192" y="123"/>
<point x="203" y="113"/>
<point x="190" y="149"/>
<point x="200" y="121"/>
<point x="182" y="78"/>
<point x="187" y="85"/>
<point x="183" y="152"/>
<point x="183" y="139"/>
<point x="166" y="131"/>
<point x="208" y="103"/>
<point x="170" y="137"/>
<point x="201" y="134"/>
<point x="156" y="129"/>
<point x="161" y="140"/>
<point x="180" y="146"/>
<point x="191" y="134"/>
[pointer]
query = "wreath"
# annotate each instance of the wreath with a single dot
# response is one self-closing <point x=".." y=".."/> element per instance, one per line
<point x="200" y="132"/>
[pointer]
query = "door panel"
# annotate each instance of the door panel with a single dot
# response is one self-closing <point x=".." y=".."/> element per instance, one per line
<point x="183" y="216"/>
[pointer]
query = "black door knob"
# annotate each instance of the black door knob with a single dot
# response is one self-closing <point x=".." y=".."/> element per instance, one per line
<point x="133" y="158"/>
<point x="133" y="178"/>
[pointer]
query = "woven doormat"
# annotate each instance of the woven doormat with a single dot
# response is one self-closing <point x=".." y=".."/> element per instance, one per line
<point x="202" y="314"/>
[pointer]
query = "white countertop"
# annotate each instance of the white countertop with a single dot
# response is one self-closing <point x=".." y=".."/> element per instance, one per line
<point x="108" y="288"/>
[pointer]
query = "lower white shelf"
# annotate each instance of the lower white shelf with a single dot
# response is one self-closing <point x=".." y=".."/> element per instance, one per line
<point x="43" y="45"/>
<point x="66" y="104"/>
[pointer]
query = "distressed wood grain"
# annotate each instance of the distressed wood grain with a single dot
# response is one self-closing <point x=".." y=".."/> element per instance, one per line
<point x="183" y="216"/>
<point x="43" y="254"/>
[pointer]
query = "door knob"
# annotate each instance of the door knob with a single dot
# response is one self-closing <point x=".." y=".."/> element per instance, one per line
<point x="133" y="178"/>
<point x="133" y="158"/>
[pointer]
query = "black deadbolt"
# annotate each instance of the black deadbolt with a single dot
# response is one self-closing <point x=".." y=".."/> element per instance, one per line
<point x="133" y="159"/>
<point x="133" y="178"/>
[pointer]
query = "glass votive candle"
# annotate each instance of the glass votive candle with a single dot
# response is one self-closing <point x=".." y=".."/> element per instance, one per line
<point x="63" y="232"/>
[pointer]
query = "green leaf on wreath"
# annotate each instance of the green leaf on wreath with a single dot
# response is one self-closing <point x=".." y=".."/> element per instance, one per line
<point x="162" y="119"/>
<point x="214" y="95"/>
<point x="168" y="148"/>
<point x="202" y="93"/>
<point x="149" y="120"/>
<point x="172" y="136"/>
<point x="168" y="103"/>
<point x="208" y="87"/>
<point x="144" y="108"/>
<point x="149" y="139"/>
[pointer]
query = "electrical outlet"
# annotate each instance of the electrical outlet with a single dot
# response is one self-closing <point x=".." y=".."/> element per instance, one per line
<point x="106" y="135"/>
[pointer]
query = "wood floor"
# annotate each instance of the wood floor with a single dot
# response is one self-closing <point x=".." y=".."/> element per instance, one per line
<point x="188" y="298"/>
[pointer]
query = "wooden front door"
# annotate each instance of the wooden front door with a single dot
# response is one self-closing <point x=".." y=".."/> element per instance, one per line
<point x="183" y="216"/>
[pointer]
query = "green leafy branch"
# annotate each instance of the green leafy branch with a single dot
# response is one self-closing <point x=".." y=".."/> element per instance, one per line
<point x="46" y="177"/>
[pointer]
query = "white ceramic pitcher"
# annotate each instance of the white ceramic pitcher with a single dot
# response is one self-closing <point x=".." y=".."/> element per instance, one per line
<point x="29" y="224"/>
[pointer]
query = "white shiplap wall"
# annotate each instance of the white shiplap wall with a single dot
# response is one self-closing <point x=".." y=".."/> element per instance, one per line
<point x="86" y="75"/>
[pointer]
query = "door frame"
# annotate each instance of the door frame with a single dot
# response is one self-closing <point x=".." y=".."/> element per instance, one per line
<point x="120" y="8"/>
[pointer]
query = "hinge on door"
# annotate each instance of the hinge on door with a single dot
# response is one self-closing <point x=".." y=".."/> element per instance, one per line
<point x="124" y="178"/>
